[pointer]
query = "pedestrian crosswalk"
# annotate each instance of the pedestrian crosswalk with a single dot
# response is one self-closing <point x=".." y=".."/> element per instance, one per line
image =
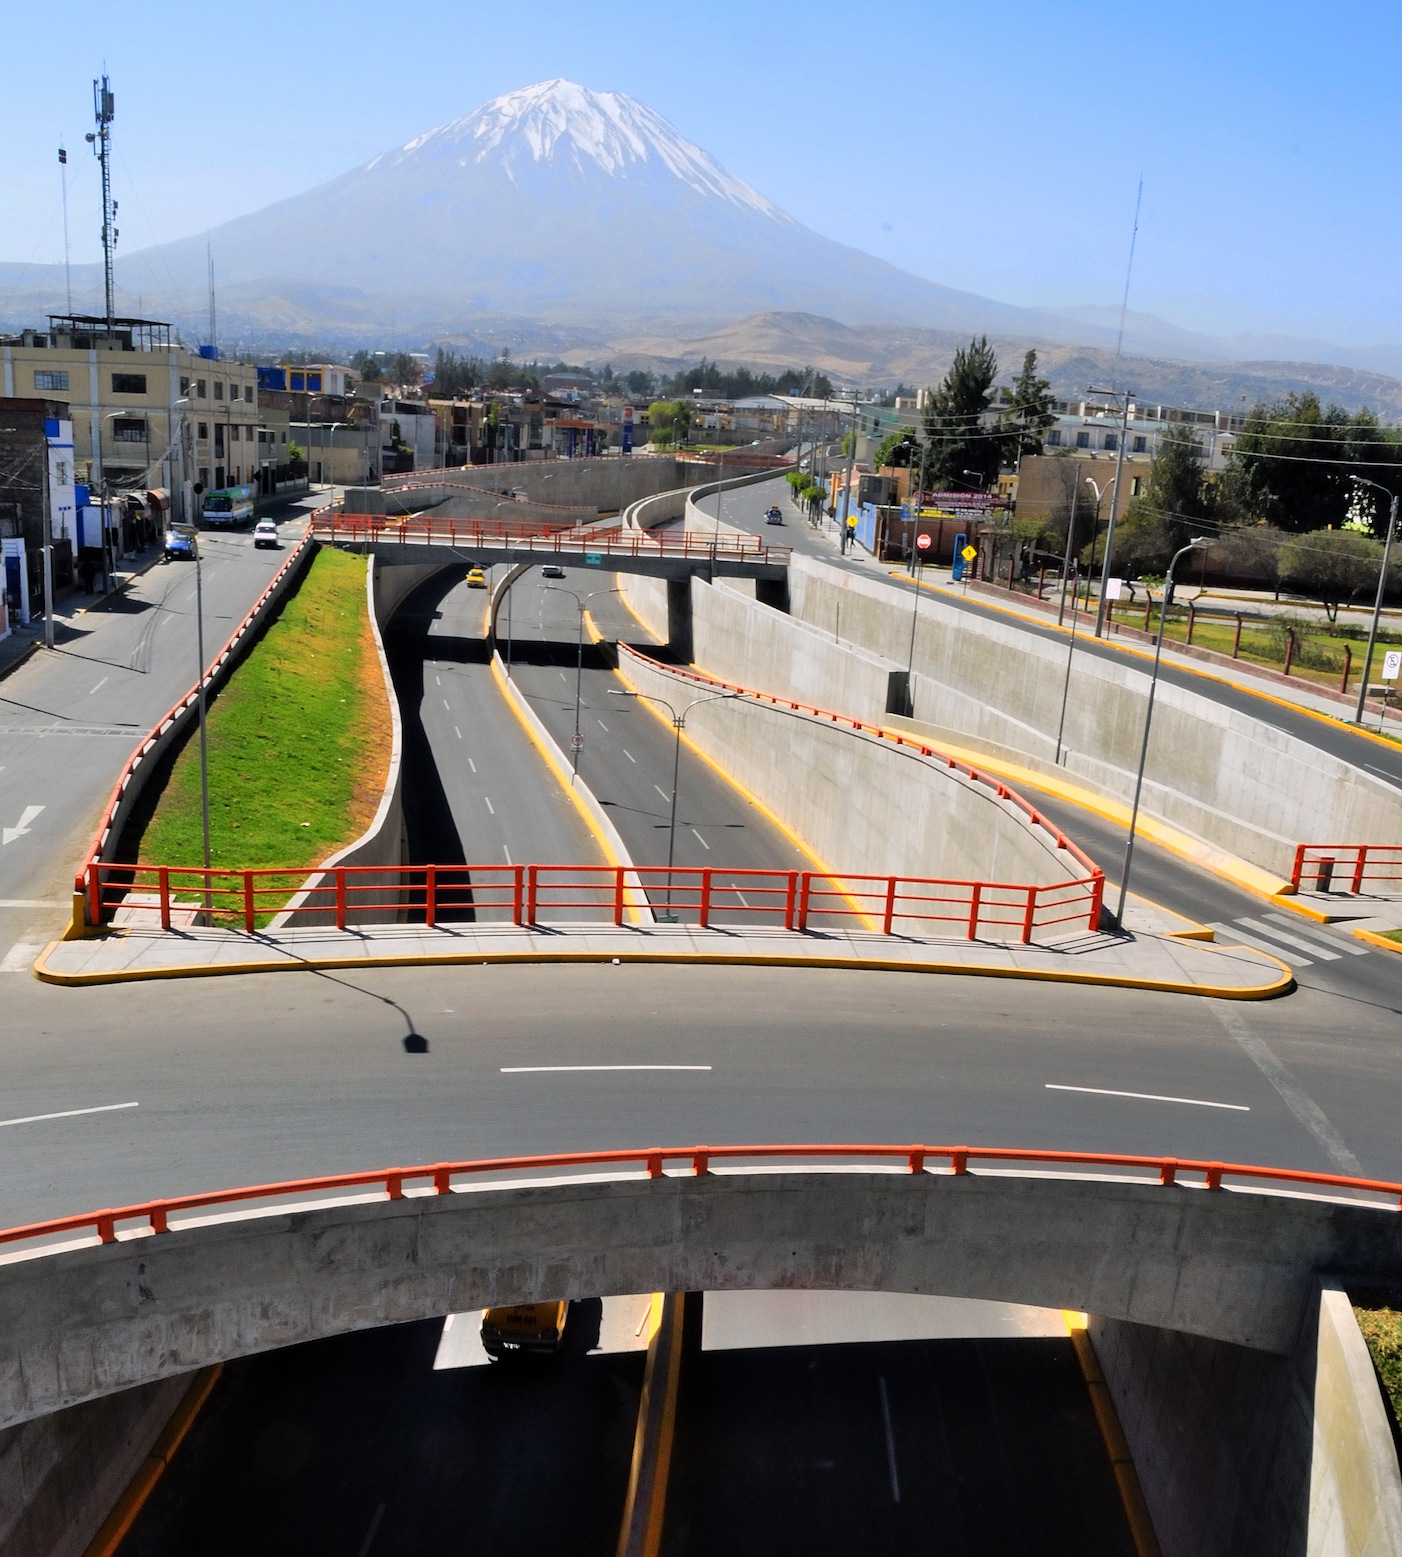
<point x="1289" y="938"/>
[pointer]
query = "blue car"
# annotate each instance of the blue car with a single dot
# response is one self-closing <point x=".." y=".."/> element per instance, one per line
<point x="181" y="545"/>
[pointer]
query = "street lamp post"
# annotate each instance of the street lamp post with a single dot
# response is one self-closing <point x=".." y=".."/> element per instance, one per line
<point x="577" y="740"/>
<point x="1194" y="545"/>
<point x="204" y="748"/>
<point x="1378" y="598"/>
<point x="1126" y="395"/>
<point x="1071" y="642"/>
<point x="678" y="725"/>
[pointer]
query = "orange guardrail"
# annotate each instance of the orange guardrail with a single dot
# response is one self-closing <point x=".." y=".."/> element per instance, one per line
<point x="798" y="900"/>
<point x="353" y="529"/>
<point x="154" y="1216"/>
<point x="1347" y="867"/>
<point x="104" y="827"/>
<point x="921" y="748"/>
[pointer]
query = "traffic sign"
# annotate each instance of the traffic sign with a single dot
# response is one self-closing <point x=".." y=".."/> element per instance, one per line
<point x="595" y="559"/>
<point x="577" y="741"/>
<point x="969" y="553"/>
<point x="923" y="542"/>
<point x="1392" y="664"/>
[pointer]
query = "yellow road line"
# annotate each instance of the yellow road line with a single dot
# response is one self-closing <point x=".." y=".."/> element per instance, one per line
<point x="645" y="1504"/>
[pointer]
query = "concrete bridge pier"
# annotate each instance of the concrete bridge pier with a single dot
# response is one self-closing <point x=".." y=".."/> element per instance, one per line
<point x="679" y="639"/>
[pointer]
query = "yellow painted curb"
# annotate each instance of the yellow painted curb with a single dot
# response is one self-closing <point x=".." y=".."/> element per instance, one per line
<point x="1280" y="986"/>
<point x="1381" y="941"/>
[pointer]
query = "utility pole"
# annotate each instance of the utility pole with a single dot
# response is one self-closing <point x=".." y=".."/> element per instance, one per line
<point x="851" y="466"/>
<point x="48" y="505"/>
<point x="104" y="111"/>
<point x="1378" y="600"/>
<point x="1114" y="505"/>
<point x="67" y="271"/>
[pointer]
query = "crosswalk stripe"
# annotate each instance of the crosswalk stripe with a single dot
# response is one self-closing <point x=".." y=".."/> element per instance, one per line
<point x="1289" y="939"/>
<point x="1310" y="933"/>
<point x="1233" y="936"/>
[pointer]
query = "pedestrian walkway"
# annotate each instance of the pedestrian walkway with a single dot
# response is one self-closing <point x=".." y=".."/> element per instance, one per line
<point x="1160" y="952"/>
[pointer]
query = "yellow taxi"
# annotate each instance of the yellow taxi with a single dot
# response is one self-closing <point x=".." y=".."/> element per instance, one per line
<point x="537" y="1328"/>
<point x="476" y="578"/>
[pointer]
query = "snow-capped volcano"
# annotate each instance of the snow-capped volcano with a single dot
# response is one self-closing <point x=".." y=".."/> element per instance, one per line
<point x="551" y="203"/>
<point x="564" y="123"/>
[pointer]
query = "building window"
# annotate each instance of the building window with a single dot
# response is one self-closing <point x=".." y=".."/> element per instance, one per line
<point x="204" y="477"/>
<point x="1083" y="439"/>
<point x="1112" y="441"/>
<point x="51" y="380"/>
<point x="203" y="431"/>
<point x="218" y="389"/>
<point x="1054" y="438"/>
<point x="184" y="386"/>
<point x="129" y="429"/>
<point x="128" y="383"/>
<point x="248" y="393"/>
<point x="201" y="389"/>
<point x="1136" y="485"/>
<point x="1141" y="444"/>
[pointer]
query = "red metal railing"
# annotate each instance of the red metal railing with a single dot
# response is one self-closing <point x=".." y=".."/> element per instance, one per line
<point x="154" y="1216"/>
<point x="1348" y="867"/>
<point x="104" y="827"/>
<point x="359" y="528"/>
<point x="1001" y="790"/>
<point x="798" y="900"/>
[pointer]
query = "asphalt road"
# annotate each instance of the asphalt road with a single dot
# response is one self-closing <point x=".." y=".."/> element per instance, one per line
<point x="744" y="508"/>
<point x="69" y="719"/>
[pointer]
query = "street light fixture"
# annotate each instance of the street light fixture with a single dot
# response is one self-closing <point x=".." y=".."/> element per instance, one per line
<point x="1378" y="599"/>
<point x="1126" y="395"/>
<point x="1196" y="544"/>
<point x="577" y="739"/>
<point x="678" y="725"/>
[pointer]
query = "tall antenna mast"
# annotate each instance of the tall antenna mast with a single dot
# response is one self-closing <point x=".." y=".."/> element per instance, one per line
<point x="67" y="270"/>
<point x="209" y="263"/>
<point x="104" y="111"/>
<point x="1129" y="271"/>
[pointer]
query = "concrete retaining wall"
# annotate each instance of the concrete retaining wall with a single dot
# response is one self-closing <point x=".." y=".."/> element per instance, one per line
<point x="1242" y="1451"/>
<point x="1229" y="1266"/>
<point x="860" y="803"/>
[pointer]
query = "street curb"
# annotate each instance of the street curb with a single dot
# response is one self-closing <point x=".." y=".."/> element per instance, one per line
<point x="1381" y="941"/>
<point x="22" y="658"/>
<point x="1281" y="986"/>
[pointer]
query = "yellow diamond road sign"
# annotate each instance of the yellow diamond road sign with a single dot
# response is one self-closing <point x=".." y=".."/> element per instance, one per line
<point x="969" y="553"/>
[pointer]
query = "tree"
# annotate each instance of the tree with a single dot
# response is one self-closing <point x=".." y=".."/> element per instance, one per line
<point x="1333" y="566"/>
<point x="640" y="383"/>
<point x="961" y="447"/>
<point x="370" y="370"/>
<point x="400" y="368"/>
<point x="670" y="421"/>
<point x="1029" y="407"/>
<point x="900" y="448"/>
<point x="1176" y="505"/>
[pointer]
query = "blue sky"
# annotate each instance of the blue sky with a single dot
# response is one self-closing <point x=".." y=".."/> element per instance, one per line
<point x="992" y="146"/>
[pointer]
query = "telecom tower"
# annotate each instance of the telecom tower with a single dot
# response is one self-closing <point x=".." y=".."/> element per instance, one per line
<point x="104" y="111"/>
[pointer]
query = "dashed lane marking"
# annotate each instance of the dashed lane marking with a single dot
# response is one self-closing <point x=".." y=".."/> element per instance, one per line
<point x="1149" y="1097"/>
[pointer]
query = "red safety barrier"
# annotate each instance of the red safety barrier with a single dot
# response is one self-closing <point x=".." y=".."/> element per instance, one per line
<point x="355" y="529"/>
<point x="154" y="1216"/>
<point x="1348" y="867"/>
<point x="999" y="788"/>
<point x="798" y="900"/>
<point x="94" y="853"/>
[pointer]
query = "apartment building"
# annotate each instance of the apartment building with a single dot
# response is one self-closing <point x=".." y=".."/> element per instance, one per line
<point x="147" y="412"/>
<point x="1087" y="427"/>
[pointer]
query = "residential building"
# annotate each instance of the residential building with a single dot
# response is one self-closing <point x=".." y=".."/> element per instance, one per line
<point x="418" y="432"/>
<point x="147" y="413"/>
<point x="36" y="469"/>
<point x="1094" y="427"/>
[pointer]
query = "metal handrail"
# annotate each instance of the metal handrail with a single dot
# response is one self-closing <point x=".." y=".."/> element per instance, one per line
<point x="1380" y="863"/>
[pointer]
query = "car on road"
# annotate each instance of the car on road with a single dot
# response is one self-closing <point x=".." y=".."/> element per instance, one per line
<point x="537" y="1328"/>
<point x="476" y="578"/>
<point x="181" y="544"/>
<point x="772" y="515"/>
<point x="265" y="533"/>
<point x="552" y="570"/>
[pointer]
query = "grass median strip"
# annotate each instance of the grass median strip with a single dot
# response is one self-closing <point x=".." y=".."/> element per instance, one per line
<point x="299" y="741"/>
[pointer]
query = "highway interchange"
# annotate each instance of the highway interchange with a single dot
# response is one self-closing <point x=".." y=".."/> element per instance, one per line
<point x="288" y="1075"/>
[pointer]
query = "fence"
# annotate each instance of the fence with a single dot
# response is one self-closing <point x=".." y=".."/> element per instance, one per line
<point x="352" y="529"/>
<point x="531" y="894"/>
<point x="1348" y="867"/>
<point x="155" y="1216"/>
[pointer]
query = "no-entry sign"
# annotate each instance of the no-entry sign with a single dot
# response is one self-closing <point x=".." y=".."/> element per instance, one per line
<point x="923" y="542"/>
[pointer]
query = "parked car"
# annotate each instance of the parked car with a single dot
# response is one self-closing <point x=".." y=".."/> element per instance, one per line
<point x="265" y="533"/>
<point x="552" y="570"/>
<point x="772" y="515"/>
<point x="524" y="1327"/>
<point x="181" y="544"/>
<point x="476" y="578"/>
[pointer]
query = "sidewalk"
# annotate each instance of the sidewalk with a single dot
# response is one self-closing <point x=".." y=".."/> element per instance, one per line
<point x="1171" y="961"/>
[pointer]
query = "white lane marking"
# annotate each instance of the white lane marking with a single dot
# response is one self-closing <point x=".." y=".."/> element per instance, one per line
<point x="457" y="732"/>
<point x="438" y="681"/>
<point x="1231" y="935"/>
<point x="22" y="827"/>
<point x="1321" y="935"/>
<point x="563" y="677"/>
<point x="1292" y="1094"/>
<point x="20" y="957"/>
<point x="662" y="791"/>
<point x="445" y="704"/>
<point x="29" y="902"/>
<point x="539" y="1070"/>
<point x="890" y="1440"/>
<point x="1382" y="773"/>
<point x="1149" y="1097"/>
<point x="471" y="764"/>
<point x="490" y="806"/>
<point x="706" y="846"/>
<point x="1290" y="940"/>
<point x="629" y="755"/>
<point x="601" y="724"/>
<point x="507" y="853"/>
<point x="100" y="685"/>
<point x="68" y="1113"/>
<point x="744" y="901"/>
